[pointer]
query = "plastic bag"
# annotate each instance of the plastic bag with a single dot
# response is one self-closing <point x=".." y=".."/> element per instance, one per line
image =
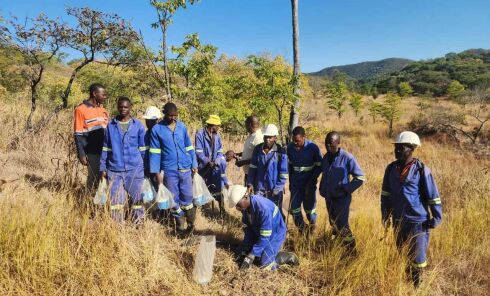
<point x="147" y="191"/>
<point x="203" y="265"/>
<point x="100" y="197"/>
<point x="200" y="191"/>
<point x="165" y="198"/>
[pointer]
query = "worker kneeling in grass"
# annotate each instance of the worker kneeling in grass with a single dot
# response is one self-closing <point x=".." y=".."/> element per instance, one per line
<point x="264" y="227"/>
<point x="409" y="195"/>
<point x="121" y="161"/>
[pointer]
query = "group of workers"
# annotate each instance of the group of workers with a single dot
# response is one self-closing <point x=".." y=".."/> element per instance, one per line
<point x="120" y="150"/>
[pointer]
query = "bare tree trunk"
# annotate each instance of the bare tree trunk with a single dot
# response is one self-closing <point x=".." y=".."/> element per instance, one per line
<point x="67" y="91"/>
<point x="294" y="114"/>
<point x="390" y="128"/>
<point x="164" y="59"/>
<point x="34" y="84"/>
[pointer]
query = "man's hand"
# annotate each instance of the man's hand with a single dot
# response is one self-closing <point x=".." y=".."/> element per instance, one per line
<point x="250" y="189"/>
<point x="83" y="159"/>
<point x="247" y="262"/>
<point x="103" y="175"/>
<point x="159" y="178"/>
<point x="194" y="171"/>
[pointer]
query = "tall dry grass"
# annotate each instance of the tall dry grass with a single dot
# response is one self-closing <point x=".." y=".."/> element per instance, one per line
<point x="50" y="245"/>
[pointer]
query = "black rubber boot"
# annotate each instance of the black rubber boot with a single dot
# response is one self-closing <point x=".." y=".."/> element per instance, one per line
<point x="179" y="224"/>
<point x="190" y="216"/>
<point x="416" y="276"/>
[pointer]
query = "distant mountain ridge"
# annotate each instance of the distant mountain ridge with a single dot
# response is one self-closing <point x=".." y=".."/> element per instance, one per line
<point x="366" y="70"/>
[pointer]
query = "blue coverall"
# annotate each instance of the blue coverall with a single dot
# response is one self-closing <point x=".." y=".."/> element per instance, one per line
<point x="206" y="152"/>
<point x="172" y="152"/>
<point x="221" y="163"/>
<point x="265" y="231"/>
<point x="337" y="189"/>
<point x="305" y="165"/>
<point x="268" y="173"/>
<point x="122" y="158"/>
<point x="415" y="207"/>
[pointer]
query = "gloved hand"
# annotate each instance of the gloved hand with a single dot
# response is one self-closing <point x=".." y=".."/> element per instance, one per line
<point x="247" y="262"/>
<point x="276" y="191"/>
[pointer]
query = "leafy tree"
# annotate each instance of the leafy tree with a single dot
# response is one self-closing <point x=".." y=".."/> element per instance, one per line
<point x="455" y="90"/>
<point x="165" y="11"/>
<point x="98" y="35"/>
<point x="337" y="95"/>
<point x="355" y="102"/>
<point x="404" y="89"/>
<point x="38" y="41"/>
<point x="390" y="110"/>
<point x="193" y="60"/>
<point x="374" y="92"/>
<point x="374" y="109"/>
<point x="273" y="85"/>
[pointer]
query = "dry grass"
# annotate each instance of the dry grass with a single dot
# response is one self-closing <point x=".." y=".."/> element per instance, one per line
<point x="49" y="245"/>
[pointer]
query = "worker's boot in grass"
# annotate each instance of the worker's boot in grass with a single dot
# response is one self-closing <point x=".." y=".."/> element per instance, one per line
<point x="350" y="249"/>
<point x="180" y="224"/>
<point x="190" y="216"/>
<point x="221" y="203"/>
<point x="416" y="276"/>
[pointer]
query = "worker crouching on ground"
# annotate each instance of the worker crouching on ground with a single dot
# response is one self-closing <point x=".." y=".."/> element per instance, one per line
<point x="171" y="151"/>
<point x="209" y="149"/>
<point x="337" y="188"/>
<point x="264" y="228"/>
<point x="409" y="195"/>
<point x="305" y="165"/>
<point x="268" y="171"/>
<point x="122" y="161"/>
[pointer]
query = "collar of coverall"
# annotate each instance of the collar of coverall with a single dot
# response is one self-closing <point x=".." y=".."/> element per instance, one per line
<point x="273" y="149"/>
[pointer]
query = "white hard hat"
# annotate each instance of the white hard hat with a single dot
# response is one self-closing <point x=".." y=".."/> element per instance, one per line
<point x="270" y="130"/>
<point x="235" y="193"/>
<point x="407" y="137"/>
<point x="152" y="112"/>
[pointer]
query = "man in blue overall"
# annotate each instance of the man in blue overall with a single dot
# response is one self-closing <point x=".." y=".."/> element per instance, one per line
<point x="171" y="151"/>
<point x="305" y="165"/>
<point x="410" y="196"/>
<point x="264" y="228"/>
<point x="337" y="188"/>
<point x="122" y="161"/>
<point x="268" y="171"/>
<point x="208" y="150"/>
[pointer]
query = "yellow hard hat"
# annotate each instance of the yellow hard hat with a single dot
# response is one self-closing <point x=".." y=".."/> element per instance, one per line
<point x="214" y="120"/>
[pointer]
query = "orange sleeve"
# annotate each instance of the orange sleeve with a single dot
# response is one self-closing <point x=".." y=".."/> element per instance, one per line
<point x="78" y="121"/>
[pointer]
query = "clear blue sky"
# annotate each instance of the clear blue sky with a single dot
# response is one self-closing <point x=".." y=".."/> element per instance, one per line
<point x="332" y="32"/>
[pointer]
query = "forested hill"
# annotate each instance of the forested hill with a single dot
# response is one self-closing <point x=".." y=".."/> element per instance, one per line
<point x="366" y="70"/>
<point x="470" y="68"/>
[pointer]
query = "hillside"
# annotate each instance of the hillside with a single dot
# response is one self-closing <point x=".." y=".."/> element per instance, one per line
<point x="366" y="70"/>
<point x="471" y="68"/>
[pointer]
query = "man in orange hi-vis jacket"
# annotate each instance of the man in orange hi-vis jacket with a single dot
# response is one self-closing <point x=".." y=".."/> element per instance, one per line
<point x="90" y="122"/>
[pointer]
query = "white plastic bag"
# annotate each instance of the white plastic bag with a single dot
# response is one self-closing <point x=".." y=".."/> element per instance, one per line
<point x="100" y="197"/>
<point x="147" y="191"/>
<point x="200" y="192"/>
<point x="165" y="198"/>
<point x="203" y="265"/>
